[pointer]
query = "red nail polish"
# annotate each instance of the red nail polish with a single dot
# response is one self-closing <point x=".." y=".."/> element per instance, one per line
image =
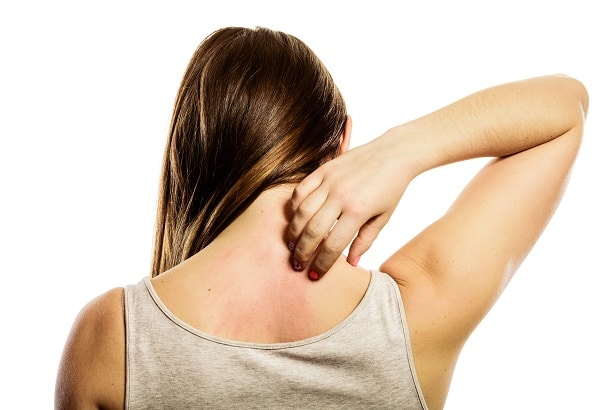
<point x="313" y="275"/>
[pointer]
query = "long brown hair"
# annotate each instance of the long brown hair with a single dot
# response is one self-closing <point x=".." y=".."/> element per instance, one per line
<point x="256" y="108"/>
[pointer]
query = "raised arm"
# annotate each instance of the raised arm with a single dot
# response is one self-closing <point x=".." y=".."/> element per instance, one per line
<point x="451" y="273"/>
<point x="361" y="188"/>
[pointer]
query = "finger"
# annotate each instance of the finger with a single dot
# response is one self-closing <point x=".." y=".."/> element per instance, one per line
<point x="365" y="238"/>
<point x="303" y="214"/>
<point x="300" y="197"/>
<point x="315" y="231"/>
<point x="305" y="188"/>
<point x="332" y="247"/>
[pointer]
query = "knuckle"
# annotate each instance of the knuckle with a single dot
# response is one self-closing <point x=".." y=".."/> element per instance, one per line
<point x="364" y="241"/>
<point x="293" y="231"/>
<point x="321" y="264"/>
<point x="332" y="247"/>
<point x="312" y="230"/>
<point x="300" y="254"/>
<point x="356" y="209"/>
<point x="296" y="196"/>
<point x="304" y="209"/>
<point x="352" y="205"/>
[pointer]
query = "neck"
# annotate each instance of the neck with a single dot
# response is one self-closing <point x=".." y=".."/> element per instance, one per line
<point x="258" y="234"/>
<point x="246" y="289"/>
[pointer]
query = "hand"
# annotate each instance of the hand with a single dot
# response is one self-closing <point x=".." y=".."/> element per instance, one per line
<point x="347" y="199"/>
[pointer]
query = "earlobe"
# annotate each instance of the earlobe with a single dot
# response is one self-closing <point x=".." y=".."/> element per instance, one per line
<point x="345" y="138"/>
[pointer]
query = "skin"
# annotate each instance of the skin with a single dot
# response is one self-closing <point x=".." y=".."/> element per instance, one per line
<point x="451" y="273"/>
<point x="219" y="291"/>
<point x="534" y="130"/>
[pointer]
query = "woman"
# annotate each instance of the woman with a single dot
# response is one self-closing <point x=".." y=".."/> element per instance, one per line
<point x="257" y="164"/>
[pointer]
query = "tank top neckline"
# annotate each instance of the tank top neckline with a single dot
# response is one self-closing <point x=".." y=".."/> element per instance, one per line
<point x="253" y="345"/>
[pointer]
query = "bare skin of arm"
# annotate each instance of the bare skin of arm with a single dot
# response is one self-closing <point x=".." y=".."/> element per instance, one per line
<point x="451" y="273"/>
<point x="91" y="373"/>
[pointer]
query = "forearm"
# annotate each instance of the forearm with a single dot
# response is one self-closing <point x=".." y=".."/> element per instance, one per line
<point x="495" y="122"/>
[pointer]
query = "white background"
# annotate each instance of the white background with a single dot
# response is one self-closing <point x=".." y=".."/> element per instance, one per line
<point x="86" y="92"/>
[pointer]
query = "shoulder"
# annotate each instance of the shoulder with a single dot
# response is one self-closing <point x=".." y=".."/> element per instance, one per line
<point x="91" y="371"/>
<point x="431" y="320"/>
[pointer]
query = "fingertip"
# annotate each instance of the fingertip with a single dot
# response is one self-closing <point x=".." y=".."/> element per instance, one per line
<point x="359" y="246"/>
<point x="299" y="260"/>
<point x="320" y="267"/>
<point x="354" y="254"/>
<point x="313" y="275"/>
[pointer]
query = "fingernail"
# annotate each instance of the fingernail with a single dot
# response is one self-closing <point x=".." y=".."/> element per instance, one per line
<point x="356" y="261"/>
<point x="291" y="245"/>
<point x="313" y="275"/>
<point x="297" y="265"/>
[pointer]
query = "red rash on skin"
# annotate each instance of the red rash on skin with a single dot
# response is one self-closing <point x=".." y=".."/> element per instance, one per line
<point x="275" y="309"/>
<point x="261" y="307"/>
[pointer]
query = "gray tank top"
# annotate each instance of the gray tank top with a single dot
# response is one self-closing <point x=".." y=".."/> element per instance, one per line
<point x="364" y="362"/>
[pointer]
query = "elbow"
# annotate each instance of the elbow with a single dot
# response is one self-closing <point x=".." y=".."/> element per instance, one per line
<point x="582" y="107"/>
<point x="577" y="96"/>
<point x="578" y="93"/>
<point x="582" y="97"/>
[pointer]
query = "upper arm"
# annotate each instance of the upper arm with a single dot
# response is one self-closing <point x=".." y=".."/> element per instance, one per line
<point x="452" y="272"/>
<point x="91" y="373"/>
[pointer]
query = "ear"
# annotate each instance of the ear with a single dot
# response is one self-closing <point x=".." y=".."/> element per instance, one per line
<point x="345" y="138"/>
